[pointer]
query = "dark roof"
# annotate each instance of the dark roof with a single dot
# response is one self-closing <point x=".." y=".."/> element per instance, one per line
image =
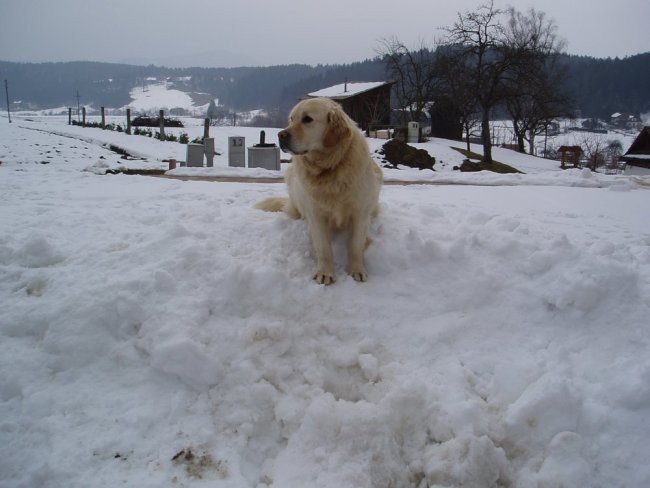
<point x="349" y="89"/>
<point x="641" y="144"/>
<point x="570" y="149"/>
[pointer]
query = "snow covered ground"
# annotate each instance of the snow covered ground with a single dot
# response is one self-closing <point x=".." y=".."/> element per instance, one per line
<point x="158" y="332"/>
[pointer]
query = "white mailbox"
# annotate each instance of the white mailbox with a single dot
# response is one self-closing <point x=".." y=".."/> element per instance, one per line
<point x="413" y="132"/>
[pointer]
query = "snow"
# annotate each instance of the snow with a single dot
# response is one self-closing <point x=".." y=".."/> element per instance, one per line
<point x="348" y="89"/>
<point x="501" y="340"/>
<point x="158" y="96"/>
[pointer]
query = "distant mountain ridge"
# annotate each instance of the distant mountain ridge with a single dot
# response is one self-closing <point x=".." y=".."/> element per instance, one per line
<point x="600" y="86"/>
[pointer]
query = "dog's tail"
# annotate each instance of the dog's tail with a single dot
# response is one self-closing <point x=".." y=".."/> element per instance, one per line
<point x="279" y="204"/>
<point x="273" y="204"/>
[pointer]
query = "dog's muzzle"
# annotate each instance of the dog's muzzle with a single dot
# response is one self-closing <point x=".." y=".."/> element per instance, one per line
<point x="284" y="139"/>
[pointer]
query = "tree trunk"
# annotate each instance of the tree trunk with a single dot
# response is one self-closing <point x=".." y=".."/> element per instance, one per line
<point x="519" y="136"/>
<point x="532" y="144"/>
<point x="521" y="146"/>
<point x="485" y="134"/>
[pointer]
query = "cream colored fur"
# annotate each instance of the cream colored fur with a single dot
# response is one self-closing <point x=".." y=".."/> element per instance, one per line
<point x="333" y="183"/>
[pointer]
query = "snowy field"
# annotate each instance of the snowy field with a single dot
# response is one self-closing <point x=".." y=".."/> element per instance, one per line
<point x="157" y="332"/>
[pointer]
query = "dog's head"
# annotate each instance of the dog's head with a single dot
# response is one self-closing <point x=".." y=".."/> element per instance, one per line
<point x="315" y="125"/>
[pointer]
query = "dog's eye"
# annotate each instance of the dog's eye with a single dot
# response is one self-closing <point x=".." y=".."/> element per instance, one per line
<point x="306" y="119"/>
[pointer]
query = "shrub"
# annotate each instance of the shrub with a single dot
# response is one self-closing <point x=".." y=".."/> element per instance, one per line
<point x="183" y="138"/>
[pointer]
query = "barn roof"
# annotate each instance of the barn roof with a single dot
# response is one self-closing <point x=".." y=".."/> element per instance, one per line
<point x="641" y="144"/>
<point x="338" y="92"/>
<point x="639" y="152"/>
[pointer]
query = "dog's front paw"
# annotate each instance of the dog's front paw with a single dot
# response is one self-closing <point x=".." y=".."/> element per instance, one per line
<point x="358" y="274"/>
<point x="324" y="277"/>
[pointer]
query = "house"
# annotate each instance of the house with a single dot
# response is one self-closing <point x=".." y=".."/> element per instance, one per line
<point x="637" y="156"/>
<point x="367" y="103"/>
<point x="624" y="120"/>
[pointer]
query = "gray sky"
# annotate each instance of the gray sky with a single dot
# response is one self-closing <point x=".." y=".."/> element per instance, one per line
<point x="248" y="32"/>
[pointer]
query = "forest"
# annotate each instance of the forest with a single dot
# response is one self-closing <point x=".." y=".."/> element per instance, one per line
<point x="598" y="87"/>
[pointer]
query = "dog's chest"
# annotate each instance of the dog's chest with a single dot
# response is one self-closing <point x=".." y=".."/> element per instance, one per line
<point x="338" y="208"/>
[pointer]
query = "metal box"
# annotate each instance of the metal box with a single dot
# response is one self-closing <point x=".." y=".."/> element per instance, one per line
<point x="264" y="157"/>
<point x="194" y="155"/>
<point x="237" y="151"/>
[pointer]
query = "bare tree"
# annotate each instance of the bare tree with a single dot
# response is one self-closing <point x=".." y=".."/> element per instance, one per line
<point x="532" y="104"/>
<point x="377" y="110"/>
<point x="456" y="83"/>
<point x="533" y="96"/>
<point x="478" y="41"/>
<point x="413" y="70"/>
<point x="594" y="148"/>
<point x="509" y="56"/>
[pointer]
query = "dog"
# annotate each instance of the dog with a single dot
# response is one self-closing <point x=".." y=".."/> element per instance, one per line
<point x="333" y="183"/>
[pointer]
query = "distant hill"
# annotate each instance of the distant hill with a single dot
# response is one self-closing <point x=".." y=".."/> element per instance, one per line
<point x="600" y="86"/>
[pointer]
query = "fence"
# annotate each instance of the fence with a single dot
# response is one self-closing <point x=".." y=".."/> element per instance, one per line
<point x="129" y="123"/>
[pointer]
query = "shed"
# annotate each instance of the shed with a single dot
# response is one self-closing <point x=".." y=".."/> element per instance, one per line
<point x="570" y="155"/>
<point x="637" y="156"/>
<point x="367" y="103"/>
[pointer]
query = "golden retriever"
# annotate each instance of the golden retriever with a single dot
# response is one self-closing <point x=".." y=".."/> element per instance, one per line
<point x="333" y="183"/>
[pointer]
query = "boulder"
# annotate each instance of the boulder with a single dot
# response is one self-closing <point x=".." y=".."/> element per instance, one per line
<point x="397" y="152"/>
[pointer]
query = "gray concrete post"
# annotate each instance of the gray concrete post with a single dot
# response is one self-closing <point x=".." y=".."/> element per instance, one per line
<point x="208" y="148"/>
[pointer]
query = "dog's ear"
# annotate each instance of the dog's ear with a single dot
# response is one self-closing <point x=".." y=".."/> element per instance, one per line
<point x="337" y="129"/>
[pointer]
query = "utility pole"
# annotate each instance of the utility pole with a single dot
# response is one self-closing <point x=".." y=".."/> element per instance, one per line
<point x="7" y="93"/>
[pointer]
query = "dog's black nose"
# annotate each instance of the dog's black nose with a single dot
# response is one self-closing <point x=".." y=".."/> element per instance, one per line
<point x="283" y="138"/>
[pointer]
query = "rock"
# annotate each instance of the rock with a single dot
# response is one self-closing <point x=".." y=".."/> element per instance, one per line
<point x="398" y="152"/>
<point x="470" y="166"/>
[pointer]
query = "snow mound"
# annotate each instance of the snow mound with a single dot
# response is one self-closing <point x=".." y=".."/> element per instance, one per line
<point x="157" y="332"/>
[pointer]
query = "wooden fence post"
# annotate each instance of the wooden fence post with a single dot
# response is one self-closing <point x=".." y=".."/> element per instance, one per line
<point x="206" y="128"/>
<point x="69" y="115"/>
<point x="128" y="120"/>
<point x="162" y="125"/>
<point x="83" y="116"/>
<point x="103" y="119"/>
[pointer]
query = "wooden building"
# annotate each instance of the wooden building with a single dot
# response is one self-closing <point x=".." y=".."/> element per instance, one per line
<point x="367" y="103"/>
<point x="637" y="157"/>
<point x="570" y="156"/>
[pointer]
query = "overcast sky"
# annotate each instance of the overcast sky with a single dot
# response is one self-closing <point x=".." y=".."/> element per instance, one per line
<point x="268" y="32"/>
